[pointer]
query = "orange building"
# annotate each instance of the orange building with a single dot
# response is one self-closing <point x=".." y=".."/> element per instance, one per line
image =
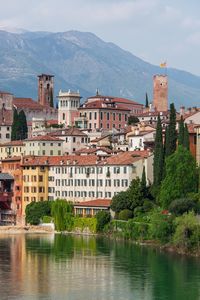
<point x="12" y="166"/>
<point x="160" y="93"/>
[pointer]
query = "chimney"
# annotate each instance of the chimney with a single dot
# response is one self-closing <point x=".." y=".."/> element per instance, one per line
<point x="182" y="110"/>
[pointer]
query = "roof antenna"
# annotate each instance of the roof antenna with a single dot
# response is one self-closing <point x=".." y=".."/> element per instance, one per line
<point x="97" y="92"/>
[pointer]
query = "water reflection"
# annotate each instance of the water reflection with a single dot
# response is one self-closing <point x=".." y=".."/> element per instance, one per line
<point x="76" y="267"/>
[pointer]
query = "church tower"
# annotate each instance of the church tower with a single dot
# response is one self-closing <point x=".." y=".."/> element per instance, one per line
<point x="45" y="89"/>
<point x="160" y="92"/>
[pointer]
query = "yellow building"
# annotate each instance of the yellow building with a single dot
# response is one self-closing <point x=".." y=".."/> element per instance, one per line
<point x="35" y="181"/>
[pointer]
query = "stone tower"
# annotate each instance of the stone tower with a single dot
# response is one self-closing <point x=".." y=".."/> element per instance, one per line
<point x="68" y="104"/>
<point x="45" y="89"/>
<point x="160" y="92"/>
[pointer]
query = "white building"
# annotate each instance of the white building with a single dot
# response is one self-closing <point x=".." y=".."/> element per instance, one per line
<point x="137" y="139"/>
<point x="81" y="178"/>
<point x="73" y="139"/>
<point x="68" y="104"/>
<point x="43" y="145"/>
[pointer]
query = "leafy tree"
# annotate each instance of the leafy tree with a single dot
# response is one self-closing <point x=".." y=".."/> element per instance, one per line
<point x="162" y="227"/>
<point x="186" y="141"/>
<point x="172" y="136"/>
<point x="134" y="193"/>
<point x="23" y="128"/>
<point x="181" y="176"/>
<point x="133" y="120"/>
<point x="61" y="211"/>
<point x="180" y="206"/>
<point x="147" y="101"/>
<point x="36" y="210"/>
<point x="181" y="132"/>
<point x="158" y="155"/>
<point x="125" y="214"/>
<point x="119" y="202"/>
<point x="103" y="218"/>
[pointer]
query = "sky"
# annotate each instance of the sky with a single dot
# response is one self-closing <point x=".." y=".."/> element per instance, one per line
<point x="154" y="30"/>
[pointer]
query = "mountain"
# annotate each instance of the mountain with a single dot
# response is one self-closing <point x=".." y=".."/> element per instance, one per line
<point x="82" y="61"/>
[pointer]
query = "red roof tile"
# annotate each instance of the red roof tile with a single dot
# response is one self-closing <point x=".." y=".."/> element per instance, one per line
<point x="12" y="143"/>
<point x="73" y="131"/>
<point x="95" y="203"/>
<point x="43" y="138"/>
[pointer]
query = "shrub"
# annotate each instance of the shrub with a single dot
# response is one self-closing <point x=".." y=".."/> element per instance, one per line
<point x="187" y="233"/>
<point x="180" y="206"/>
<point x="85" y="223"/>
<point x="47" y="219"/>
<point x="125" y="214"/>
<point x="103" y="217"/>
<point x="162" y="227"/>
<point x="36" y="210"/>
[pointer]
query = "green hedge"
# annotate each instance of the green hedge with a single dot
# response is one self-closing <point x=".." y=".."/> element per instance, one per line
<point x="84" y="223"/>
<point x="47" y="219"/>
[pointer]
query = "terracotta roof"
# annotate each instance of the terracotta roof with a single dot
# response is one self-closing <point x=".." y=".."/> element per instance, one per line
<point x="141" y="133"/>
<point x="126" y="158"/>
<point x="100" y="138"/>
<point x="101" y="104"/>
<point x="73" y="131"/>
<point x="13" y="143"/>
<point x="13" y="158"/>
<point x="152" y="114"/>
<point x="95" y="203"/>
<point x="43" y="138"/>
<point x="94" y="150"/>
<point x="115" y="99"/>
<point x="29" y="103"/>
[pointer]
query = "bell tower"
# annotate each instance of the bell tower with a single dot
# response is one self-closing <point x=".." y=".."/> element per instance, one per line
<point x="160" y="92"/>
<point x="45" y="89"/>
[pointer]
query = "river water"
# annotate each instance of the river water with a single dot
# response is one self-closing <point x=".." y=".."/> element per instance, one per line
<point x="82" y="268"/>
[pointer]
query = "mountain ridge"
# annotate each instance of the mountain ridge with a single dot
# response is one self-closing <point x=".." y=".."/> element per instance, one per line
<point x="82" y="61"/>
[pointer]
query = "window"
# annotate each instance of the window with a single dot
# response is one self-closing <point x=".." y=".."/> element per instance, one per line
<point x="126" y="118"/>
<point x="108" y="125"/>
<point x="108" y="116"/>
<point x="113" y="116"/>
<point x="41" y="189"/>
<point x="82" y="140"/>
<point x="43" y="152"/>
<point x="120" y="117"/>
<point x="59" y="152"/>
<point x="74" y="140"/>
<point x="101" y="115"/>
<point x="95" y="115"/>
<point x="8" y="128"/>
<point x="7" y="135"/>
<point x="51" y="152"/>
<point x="90" y="116"/>
<point x="63" y="116"/>
<point x="43" y="144"/>
<point x="51" y="144"/>
<point x="40" y="178"/>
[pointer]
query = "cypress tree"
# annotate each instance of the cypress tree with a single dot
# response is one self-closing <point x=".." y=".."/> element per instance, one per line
<point x="181" y="132"/>
<point x="143" y="183"/>
<point x="172" y="137"/>
<point x="23" y="128"/>
<point x="51" y="98"/>
<point x="14" y="125"/>
<point x="158" y="155"/>
<point x="147" y="101"/>
<point x="186" y="141"/>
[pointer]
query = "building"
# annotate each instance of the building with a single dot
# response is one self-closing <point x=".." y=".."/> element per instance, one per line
<point x="6" y="116"/>
<point x="33" y="109"/>
<point x="45" y="90"/>
<point x="7" y="216"/>
<point x="137" y="140"/>
<point x="91" y="208"/>
<point x="35" y="181"/>
<point x="43" y="145"/>
<point x="12" y="166"/>
<point x="68" y="104"/>
<point x="106" y="113"/>
<point x="160" y="93"/>
<point x="11" y="149"/>
<point x="73" y="139"/>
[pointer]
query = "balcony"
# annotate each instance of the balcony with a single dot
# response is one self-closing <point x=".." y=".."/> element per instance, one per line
<point x="6" y="196"/>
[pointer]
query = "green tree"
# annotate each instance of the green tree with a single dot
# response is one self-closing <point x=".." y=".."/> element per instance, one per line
<point x="133" y="120"/>
<point x="186" y="141"/>
<point x="36" y="210"/>
<point x="147" y="101"/>
<point x="119" y="202"/>
<point x="181" y="177"/>
<point x="23" y="128"/>
<point x="61" y="211"/>
<point x="181" y="132"/>
<point x="134" y="193"/>
<point x="172" y="136"/>
<point x="158" y="155"/>
<point x="15" y="125"/>
<point x="51" y="98"/>
<point x="103" y="218"/>
<point x="144" y="183"/>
